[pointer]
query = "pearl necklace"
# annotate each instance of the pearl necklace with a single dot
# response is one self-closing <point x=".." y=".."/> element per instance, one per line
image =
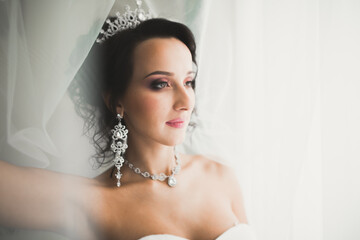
<point x="162" y="176"/>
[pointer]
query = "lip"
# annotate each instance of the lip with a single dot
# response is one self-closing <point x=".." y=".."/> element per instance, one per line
<point x="176" y="123"/>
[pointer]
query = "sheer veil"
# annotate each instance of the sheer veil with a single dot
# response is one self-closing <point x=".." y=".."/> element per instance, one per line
<point x="272" y="77"/>
<point x="44" y="45"/>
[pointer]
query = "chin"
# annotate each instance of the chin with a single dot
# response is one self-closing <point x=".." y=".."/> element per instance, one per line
<point x="174" y="139"/>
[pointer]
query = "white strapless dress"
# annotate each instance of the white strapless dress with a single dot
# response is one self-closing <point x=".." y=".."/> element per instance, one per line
<point x="237" y="232"/>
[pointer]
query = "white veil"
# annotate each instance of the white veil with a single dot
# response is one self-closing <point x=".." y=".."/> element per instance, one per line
<point x="43" y="43"/>
<point x="272" y="77"/>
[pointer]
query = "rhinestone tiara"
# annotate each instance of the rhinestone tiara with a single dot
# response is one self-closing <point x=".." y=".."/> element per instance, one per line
<point x="129" y="19"/>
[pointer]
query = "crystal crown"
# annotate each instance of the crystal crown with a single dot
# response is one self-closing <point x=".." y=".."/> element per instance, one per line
<point x="129" y="19"/>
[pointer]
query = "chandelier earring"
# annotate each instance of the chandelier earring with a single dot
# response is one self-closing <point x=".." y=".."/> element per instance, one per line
<point x="118" y="146"/>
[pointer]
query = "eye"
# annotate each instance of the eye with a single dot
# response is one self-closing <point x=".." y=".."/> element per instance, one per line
<point x="190" y="83"/>
<point x="156" y="85"/>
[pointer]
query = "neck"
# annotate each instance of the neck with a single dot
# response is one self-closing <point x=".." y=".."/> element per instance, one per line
<point x="154" y="158"/>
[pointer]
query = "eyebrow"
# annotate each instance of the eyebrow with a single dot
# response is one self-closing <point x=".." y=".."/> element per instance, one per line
<point x="166" y="73"/>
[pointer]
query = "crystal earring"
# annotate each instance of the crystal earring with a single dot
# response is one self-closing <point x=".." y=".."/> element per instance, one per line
<point x="118" y="146"/>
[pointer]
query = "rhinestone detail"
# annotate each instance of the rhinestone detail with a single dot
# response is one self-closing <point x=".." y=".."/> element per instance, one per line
<point x="162" y="176"/>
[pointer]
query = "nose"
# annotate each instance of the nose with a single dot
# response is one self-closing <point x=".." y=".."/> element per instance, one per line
<point x="184" y="99"/>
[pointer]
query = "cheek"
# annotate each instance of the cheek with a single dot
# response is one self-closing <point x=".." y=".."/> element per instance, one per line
<point x="192" y="98"/>
<point x="147" y="108"/>
<point x="191" y="95"/>
<point x="149" y="105"/>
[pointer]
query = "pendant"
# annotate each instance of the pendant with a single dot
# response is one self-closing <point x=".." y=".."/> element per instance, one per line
<point x="172" y="181"/>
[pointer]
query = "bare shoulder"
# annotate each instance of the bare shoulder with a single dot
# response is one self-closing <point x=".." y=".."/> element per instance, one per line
<point x="212" y="168"/>
<point x="226" y="180"/>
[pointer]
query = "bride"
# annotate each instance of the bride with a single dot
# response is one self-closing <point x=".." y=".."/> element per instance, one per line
<point x="138" y="97"/>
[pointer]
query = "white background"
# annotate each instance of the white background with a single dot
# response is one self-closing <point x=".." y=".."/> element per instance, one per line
<point x="277" y="98"/>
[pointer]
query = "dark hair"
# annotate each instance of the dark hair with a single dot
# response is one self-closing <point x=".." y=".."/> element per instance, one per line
<point x="107" y="70"/>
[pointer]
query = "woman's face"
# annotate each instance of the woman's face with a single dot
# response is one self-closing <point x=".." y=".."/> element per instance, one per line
<point x="160" y="99"/>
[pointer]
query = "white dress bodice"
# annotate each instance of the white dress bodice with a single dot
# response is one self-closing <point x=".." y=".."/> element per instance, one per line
<point x="239" y="231"/>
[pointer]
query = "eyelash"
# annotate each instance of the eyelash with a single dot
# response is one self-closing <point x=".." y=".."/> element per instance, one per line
<point x="190" y="83"/>
<point x="157" y="85"/>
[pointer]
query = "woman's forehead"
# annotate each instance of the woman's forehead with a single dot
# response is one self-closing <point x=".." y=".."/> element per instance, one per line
<point x="162" y="54"/>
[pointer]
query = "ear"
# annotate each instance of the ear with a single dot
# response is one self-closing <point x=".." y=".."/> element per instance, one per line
<point x="118" y="107"/>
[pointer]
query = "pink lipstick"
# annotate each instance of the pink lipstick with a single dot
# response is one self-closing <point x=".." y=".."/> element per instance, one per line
<point x="176" y="123"/>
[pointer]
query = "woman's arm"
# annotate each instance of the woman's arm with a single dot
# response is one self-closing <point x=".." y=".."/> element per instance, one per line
<point x="39" y="199"/>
